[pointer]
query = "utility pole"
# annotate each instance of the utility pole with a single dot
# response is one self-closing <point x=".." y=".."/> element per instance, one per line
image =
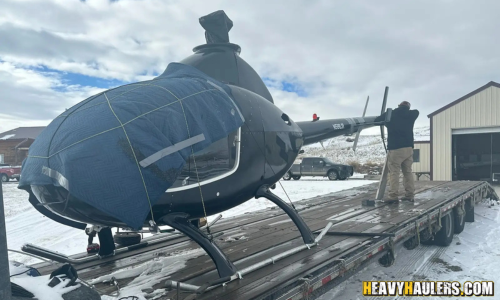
<point x="5" y="289"/>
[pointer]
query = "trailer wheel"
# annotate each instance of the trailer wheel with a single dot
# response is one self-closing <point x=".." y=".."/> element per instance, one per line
<point x="127" y="238"/>
<point x="445" y="235"/>
<point x="458" y="220"/>
<point x="4" y="177"/>
<point x="287" y="176"/>
<point x="296" y="177"/>
<point x="332" y="175"/>
<point x="469" y="211"/>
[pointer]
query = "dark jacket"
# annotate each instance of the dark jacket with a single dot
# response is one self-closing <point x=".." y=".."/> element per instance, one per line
<point x="400" y="128"/>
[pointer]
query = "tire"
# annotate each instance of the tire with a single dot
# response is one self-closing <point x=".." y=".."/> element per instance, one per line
<point x="333" y="175"/>
<point x="127" y="238"/>
<point x="469" y="211"/>
<point x="458" y="220"/>
<point x="296" y="177"/>
<point x="287" y="176"/>
<point x="4" y="178"/>
<point x="445" y="235"/>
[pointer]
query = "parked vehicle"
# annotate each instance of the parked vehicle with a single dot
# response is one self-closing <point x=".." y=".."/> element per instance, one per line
<point x="319" y="166"/>
<point x="7" y="173"/>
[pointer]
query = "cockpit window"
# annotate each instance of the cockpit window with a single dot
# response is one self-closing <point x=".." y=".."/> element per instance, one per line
<point x="214" y="162"/>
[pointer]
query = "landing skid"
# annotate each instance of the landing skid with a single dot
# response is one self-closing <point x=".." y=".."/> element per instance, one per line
<point x="170" y="284"/>
<point x="180" y="221"/>
<point x="306" y="233"/>
<point x="226" y="269"/>
<point x="59" y="257"/>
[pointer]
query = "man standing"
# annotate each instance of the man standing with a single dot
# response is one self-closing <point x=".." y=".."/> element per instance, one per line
<point x="400" y="150"/>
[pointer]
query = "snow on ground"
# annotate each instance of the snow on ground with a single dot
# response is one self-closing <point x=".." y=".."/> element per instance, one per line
<point x="26" y="225"/>
<point x="474" y="255"/>
<point x="296" y="190"/>
<point x="369" y="150"/>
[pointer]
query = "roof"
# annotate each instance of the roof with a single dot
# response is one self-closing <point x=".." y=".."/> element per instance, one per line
<point x="489" y="84"/>
<point x="22" y="133"/>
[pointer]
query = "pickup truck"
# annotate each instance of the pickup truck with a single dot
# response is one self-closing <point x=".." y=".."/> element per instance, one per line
<point x="7" y="173"/>
<point x="319" y="166"/>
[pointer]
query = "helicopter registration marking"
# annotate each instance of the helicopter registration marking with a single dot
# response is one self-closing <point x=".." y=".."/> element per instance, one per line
<point x="338" y="126"/>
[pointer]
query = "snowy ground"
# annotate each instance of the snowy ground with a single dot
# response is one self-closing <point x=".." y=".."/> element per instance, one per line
<point x="369" y="150"/>
<point x="474" y="255"/>
<point x="25" y="225"/>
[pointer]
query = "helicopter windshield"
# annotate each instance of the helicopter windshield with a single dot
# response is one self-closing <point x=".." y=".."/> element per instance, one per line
<point x="212" y="163"/>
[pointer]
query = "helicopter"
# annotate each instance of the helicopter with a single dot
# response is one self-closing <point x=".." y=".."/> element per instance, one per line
<point x="227" y="145"/>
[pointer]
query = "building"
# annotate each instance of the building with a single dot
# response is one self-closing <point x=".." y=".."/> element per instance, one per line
<point x="422" y="160"/>
<point x="465" y="137"/>
<point x="15" y="143"/>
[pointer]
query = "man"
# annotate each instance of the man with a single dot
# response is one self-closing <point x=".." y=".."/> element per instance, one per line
<point x="400" y="150"/>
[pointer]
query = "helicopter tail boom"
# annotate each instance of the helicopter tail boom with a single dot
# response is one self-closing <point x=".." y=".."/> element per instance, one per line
<point x="317" y="131"/>
<point x="314" y="132"/>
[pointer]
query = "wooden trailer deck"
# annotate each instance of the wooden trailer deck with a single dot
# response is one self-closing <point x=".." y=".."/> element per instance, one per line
<point x="251" y="238"/>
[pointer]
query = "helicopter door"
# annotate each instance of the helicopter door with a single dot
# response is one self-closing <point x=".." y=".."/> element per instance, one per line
<point x="213" y="163"/>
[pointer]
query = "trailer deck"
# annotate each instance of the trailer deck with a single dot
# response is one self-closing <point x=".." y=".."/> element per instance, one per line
<point x="253" y="238"/>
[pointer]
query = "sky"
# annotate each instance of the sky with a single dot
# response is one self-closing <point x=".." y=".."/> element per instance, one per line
<point x="321" y="56"/>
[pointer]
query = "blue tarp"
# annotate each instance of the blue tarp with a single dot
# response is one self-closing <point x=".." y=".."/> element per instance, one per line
<point x="120" y="150"/>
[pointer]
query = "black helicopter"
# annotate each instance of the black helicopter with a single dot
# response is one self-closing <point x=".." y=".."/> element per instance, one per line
<point x="243" y="165"/>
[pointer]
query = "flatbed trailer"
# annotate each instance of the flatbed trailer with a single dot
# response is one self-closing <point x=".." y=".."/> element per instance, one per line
<point x="259" y="242"/>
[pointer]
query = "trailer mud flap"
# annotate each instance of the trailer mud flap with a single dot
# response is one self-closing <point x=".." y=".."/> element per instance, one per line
<point x="390" y="257"/>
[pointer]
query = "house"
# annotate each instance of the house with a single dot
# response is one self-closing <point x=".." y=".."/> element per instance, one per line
<point x="15" y="143"/>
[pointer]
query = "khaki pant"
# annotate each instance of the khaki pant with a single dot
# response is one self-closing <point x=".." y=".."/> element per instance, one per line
<point x="400" y="159"/>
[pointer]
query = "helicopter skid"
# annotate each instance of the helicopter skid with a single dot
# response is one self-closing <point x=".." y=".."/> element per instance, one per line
<point x="171" y="284"/>
<point x="62" y="258"/>
<point x="180" y="221"/>
<point x="306" y="233"/>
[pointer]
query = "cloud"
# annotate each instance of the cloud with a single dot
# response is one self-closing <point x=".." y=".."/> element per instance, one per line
<point x="31" y="98"/>
<point x="320" y="57"/>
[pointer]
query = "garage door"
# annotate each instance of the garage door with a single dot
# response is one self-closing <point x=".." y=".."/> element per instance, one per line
<point x="476" y="153"/>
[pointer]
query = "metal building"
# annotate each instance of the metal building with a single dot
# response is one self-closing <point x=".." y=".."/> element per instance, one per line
<point x="465" y="136"/>
<point x="422" y="160"/>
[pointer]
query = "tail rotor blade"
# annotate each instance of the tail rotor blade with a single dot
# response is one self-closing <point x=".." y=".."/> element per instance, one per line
<point x="359" y="131"/>
<point x="384" y="104"/>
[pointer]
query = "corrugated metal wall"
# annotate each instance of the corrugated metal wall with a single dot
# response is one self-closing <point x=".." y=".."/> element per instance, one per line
<point x="425" y="158"/>
<point x="479" y="110"/>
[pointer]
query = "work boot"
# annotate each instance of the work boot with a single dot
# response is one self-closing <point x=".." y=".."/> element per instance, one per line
<point x="408" y="199"/>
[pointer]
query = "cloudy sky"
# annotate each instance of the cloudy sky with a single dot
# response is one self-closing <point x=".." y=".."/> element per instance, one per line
<point x="320" y="56"/>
